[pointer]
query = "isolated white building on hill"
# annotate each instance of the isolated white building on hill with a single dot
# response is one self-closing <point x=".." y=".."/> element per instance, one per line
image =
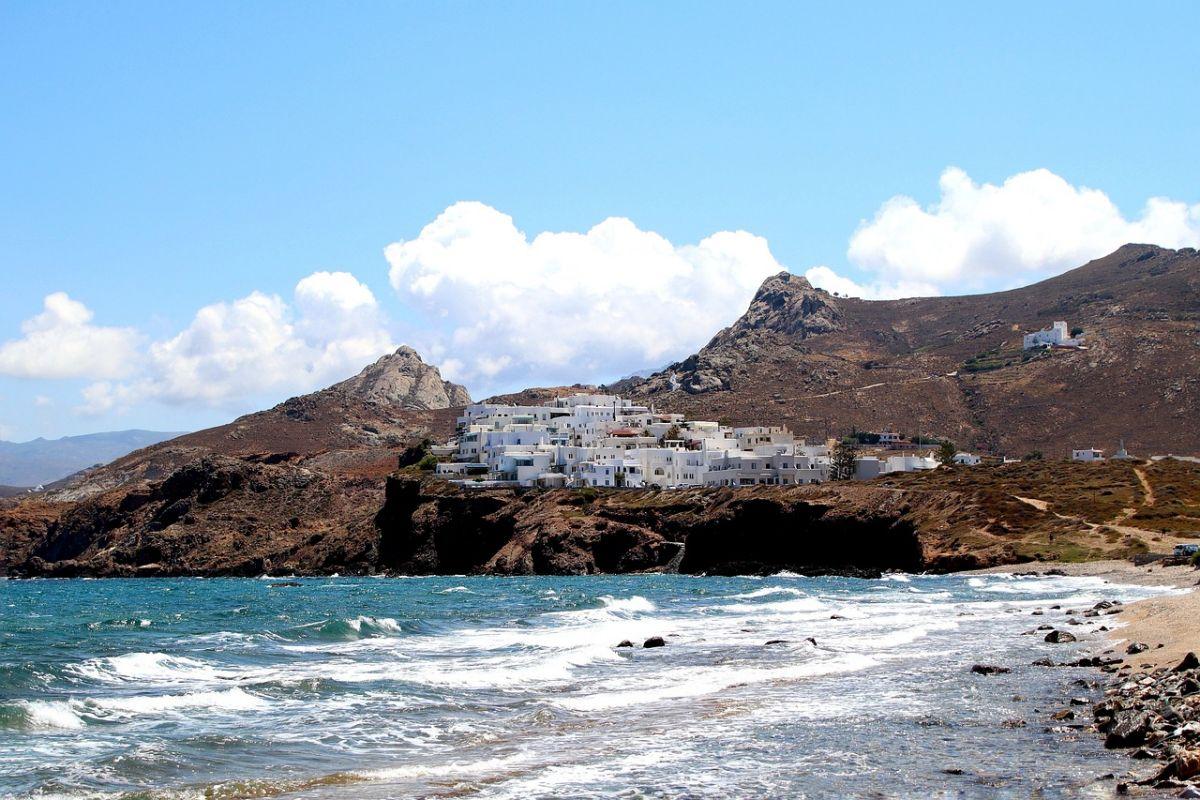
<point x="1057" y="335"/>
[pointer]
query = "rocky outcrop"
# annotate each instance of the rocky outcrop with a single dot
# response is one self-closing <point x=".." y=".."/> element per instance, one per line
<point x="1156" y="714"/>
<point x="788" y="304"/>
<point x="430" y="528"/>
<point x="402" y="380"/>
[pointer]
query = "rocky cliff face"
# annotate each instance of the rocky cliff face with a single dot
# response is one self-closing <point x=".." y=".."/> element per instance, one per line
<point x="218" y="515"/>
<point x="402" y="380"/>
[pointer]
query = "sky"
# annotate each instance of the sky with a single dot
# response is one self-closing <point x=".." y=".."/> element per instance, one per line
<point x="206" y="208"/>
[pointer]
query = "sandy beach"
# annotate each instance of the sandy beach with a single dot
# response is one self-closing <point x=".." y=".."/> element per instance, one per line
<point x="1172" y="621"/>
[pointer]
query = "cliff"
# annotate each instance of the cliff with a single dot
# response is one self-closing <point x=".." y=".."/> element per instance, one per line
<point x="225" y="516"/>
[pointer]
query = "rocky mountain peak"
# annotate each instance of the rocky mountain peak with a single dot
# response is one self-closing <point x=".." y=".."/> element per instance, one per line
<point x="403" y="380"/>
<point x="788" y="303"/>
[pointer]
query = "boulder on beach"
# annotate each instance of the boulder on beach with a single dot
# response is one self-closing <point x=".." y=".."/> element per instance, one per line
<point x="1060" y="637"/>
<point x="654" y="641"/>
<point x="1189" y="662"/>
<point x="625" y="643"/>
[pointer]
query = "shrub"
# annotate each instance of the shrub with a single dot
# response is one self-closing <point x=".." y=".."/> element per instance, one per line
<point x="428" y="462"/>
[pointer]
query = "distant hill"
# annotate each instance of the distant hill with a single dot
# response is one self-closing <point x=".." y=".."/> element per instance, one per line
<point x="954" y="366"/>
<point x="43" y="461"/>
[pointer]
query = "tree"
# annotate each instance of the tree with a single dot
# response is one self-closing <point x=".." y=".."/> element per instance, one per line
<point x="1076" y="331"/>
<point x="672" y="434"/>
<point x="841" y="463"/>
<point x="428" y="462"/>
<point x="946" y="452"/>
<point x="414" y="453"/>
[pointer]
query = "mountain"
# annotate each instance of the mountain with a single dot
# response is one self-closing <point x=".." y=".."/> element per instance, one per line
<point x="43" y="461"/>
<point x="352" y="428"/>
<point x="954" y="366"/>
<point x="309" y="486"/>
<point x="402" y="380"/>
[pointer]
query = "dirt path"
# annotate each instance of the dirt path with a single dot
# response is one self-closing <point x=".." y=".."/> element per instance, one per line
<point x="1146" y="487"/>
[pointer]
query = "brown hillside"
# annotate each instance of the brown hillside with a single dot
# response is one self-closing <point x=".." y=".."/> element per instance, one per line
<point x="953" y="366"/>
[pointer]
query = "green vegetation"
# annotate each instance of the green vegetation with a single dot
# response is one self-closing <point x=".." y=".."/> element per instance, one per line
<point x="428" y="463"/>
<point x="946" y="452"/>
<point x="1033" y="455"/>
<point x="841" y="466"/>
<point x="1076" y="331"/>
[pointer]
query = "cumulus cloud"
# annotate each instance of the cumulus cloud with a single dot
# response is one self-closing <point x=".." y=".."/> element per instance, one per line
<point x="982" y="236"/>
<point x="62" y="342"/>
<point x="256" y="346"/>
<point x="500" y="309"/>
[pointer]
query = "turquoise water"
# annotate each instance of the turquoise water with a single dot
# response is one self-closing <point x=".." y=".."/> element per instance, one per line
<point x="513" y="687"/>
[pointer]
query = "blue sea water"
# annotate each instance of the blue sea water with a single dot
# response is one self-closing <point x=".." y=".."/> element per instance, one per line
<point x="513" y="687"/>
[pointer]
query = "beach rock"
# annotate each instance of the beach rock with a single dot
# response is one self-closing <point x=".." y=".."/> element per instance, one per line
<point x="1060" y="637"/>
<point x="1189" y="662"/>
<point x="654" y="641"/>
<point x="1055" y="573"/>
<point x="775" y="641"/>
<point x="625" y="643"/>
<point x="1137" y="647"/>
<point x="1043" y="662"/>
<point x="1065" y="714"/>
<point x="1191" y="792"/>
<point x="1013" y="723"/>
<point x="1130" y="729"/>
<point x="989" y="669"/>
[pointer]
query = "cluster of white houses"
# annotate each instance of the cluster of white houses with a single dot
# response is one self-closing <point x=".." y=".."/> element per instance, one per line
<point x="605" y="440"/>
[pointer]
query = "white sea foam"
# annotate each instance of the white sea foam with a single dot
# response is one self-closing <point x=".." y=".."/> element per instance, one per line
<point x="628" y="605"/>
<point x="51" y="715"/>
<point x="767" y="591"/>
<point x="455" y="590"/>
<point x="229" y="700"/>
<point x="148" y="667"/>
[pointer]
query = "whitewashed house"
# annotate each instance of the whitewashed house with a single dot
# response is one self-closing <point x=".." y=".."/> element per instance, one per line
<point x="1088" y="454"/>
<point x="1057" y="335"/>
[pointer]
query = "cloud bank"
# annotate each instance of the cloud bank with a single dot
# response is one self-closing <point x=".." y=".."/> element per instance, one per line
<point x="983" y="237"/>
<point x="62" y="342"/>
<point x="256" y="346"/>
<point x="499" y="309"/>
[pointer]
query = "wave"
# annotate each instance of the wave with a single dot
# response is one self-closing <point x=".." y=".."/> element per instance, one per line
<point x="121" y="623"/>
<point x="360" y="627"/>
<point x="628" y="605"/>
<point x="147" y="667"/>
<point x="455" y="590"/>
<point x="40" y="715"/>
<point x="767" y="591"/>
<point x="228" y="700"/>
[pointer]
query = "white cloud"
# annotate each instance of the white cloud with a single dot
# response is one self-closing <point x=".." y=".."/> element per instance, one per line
<point x="981" y="237"/>
<point x="61" y="342"/>
<point x="498" y="309"/>
<point x="258" y="346"/>
<point x="43" y="401"/>
<point x="825" y="278"/>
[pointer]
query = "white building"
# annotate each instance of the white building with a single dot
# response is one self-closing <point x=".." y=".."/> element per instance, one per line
<point x="1057" y="335"/>
<point x="967" y="459"/>
<point x="1088" y="455"/>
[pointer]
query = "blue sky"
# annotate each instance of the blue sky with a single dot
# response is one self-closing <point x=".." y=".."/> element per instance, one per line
<point x="156" y="159"/>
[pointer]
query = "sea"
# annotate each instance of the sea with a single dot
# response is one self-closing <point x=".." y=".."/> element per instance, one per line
<point x="490" y="687"/>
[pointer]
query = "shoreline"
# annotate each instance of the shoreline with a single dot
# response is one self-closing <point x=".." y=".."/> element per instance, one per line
<point x="1172" y="621"/>
<point x="1151" y="705"/>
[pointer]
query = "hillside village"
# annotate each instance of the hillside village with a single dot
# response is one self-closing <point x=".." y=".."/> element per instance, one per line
<point x="604" y="440"/>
